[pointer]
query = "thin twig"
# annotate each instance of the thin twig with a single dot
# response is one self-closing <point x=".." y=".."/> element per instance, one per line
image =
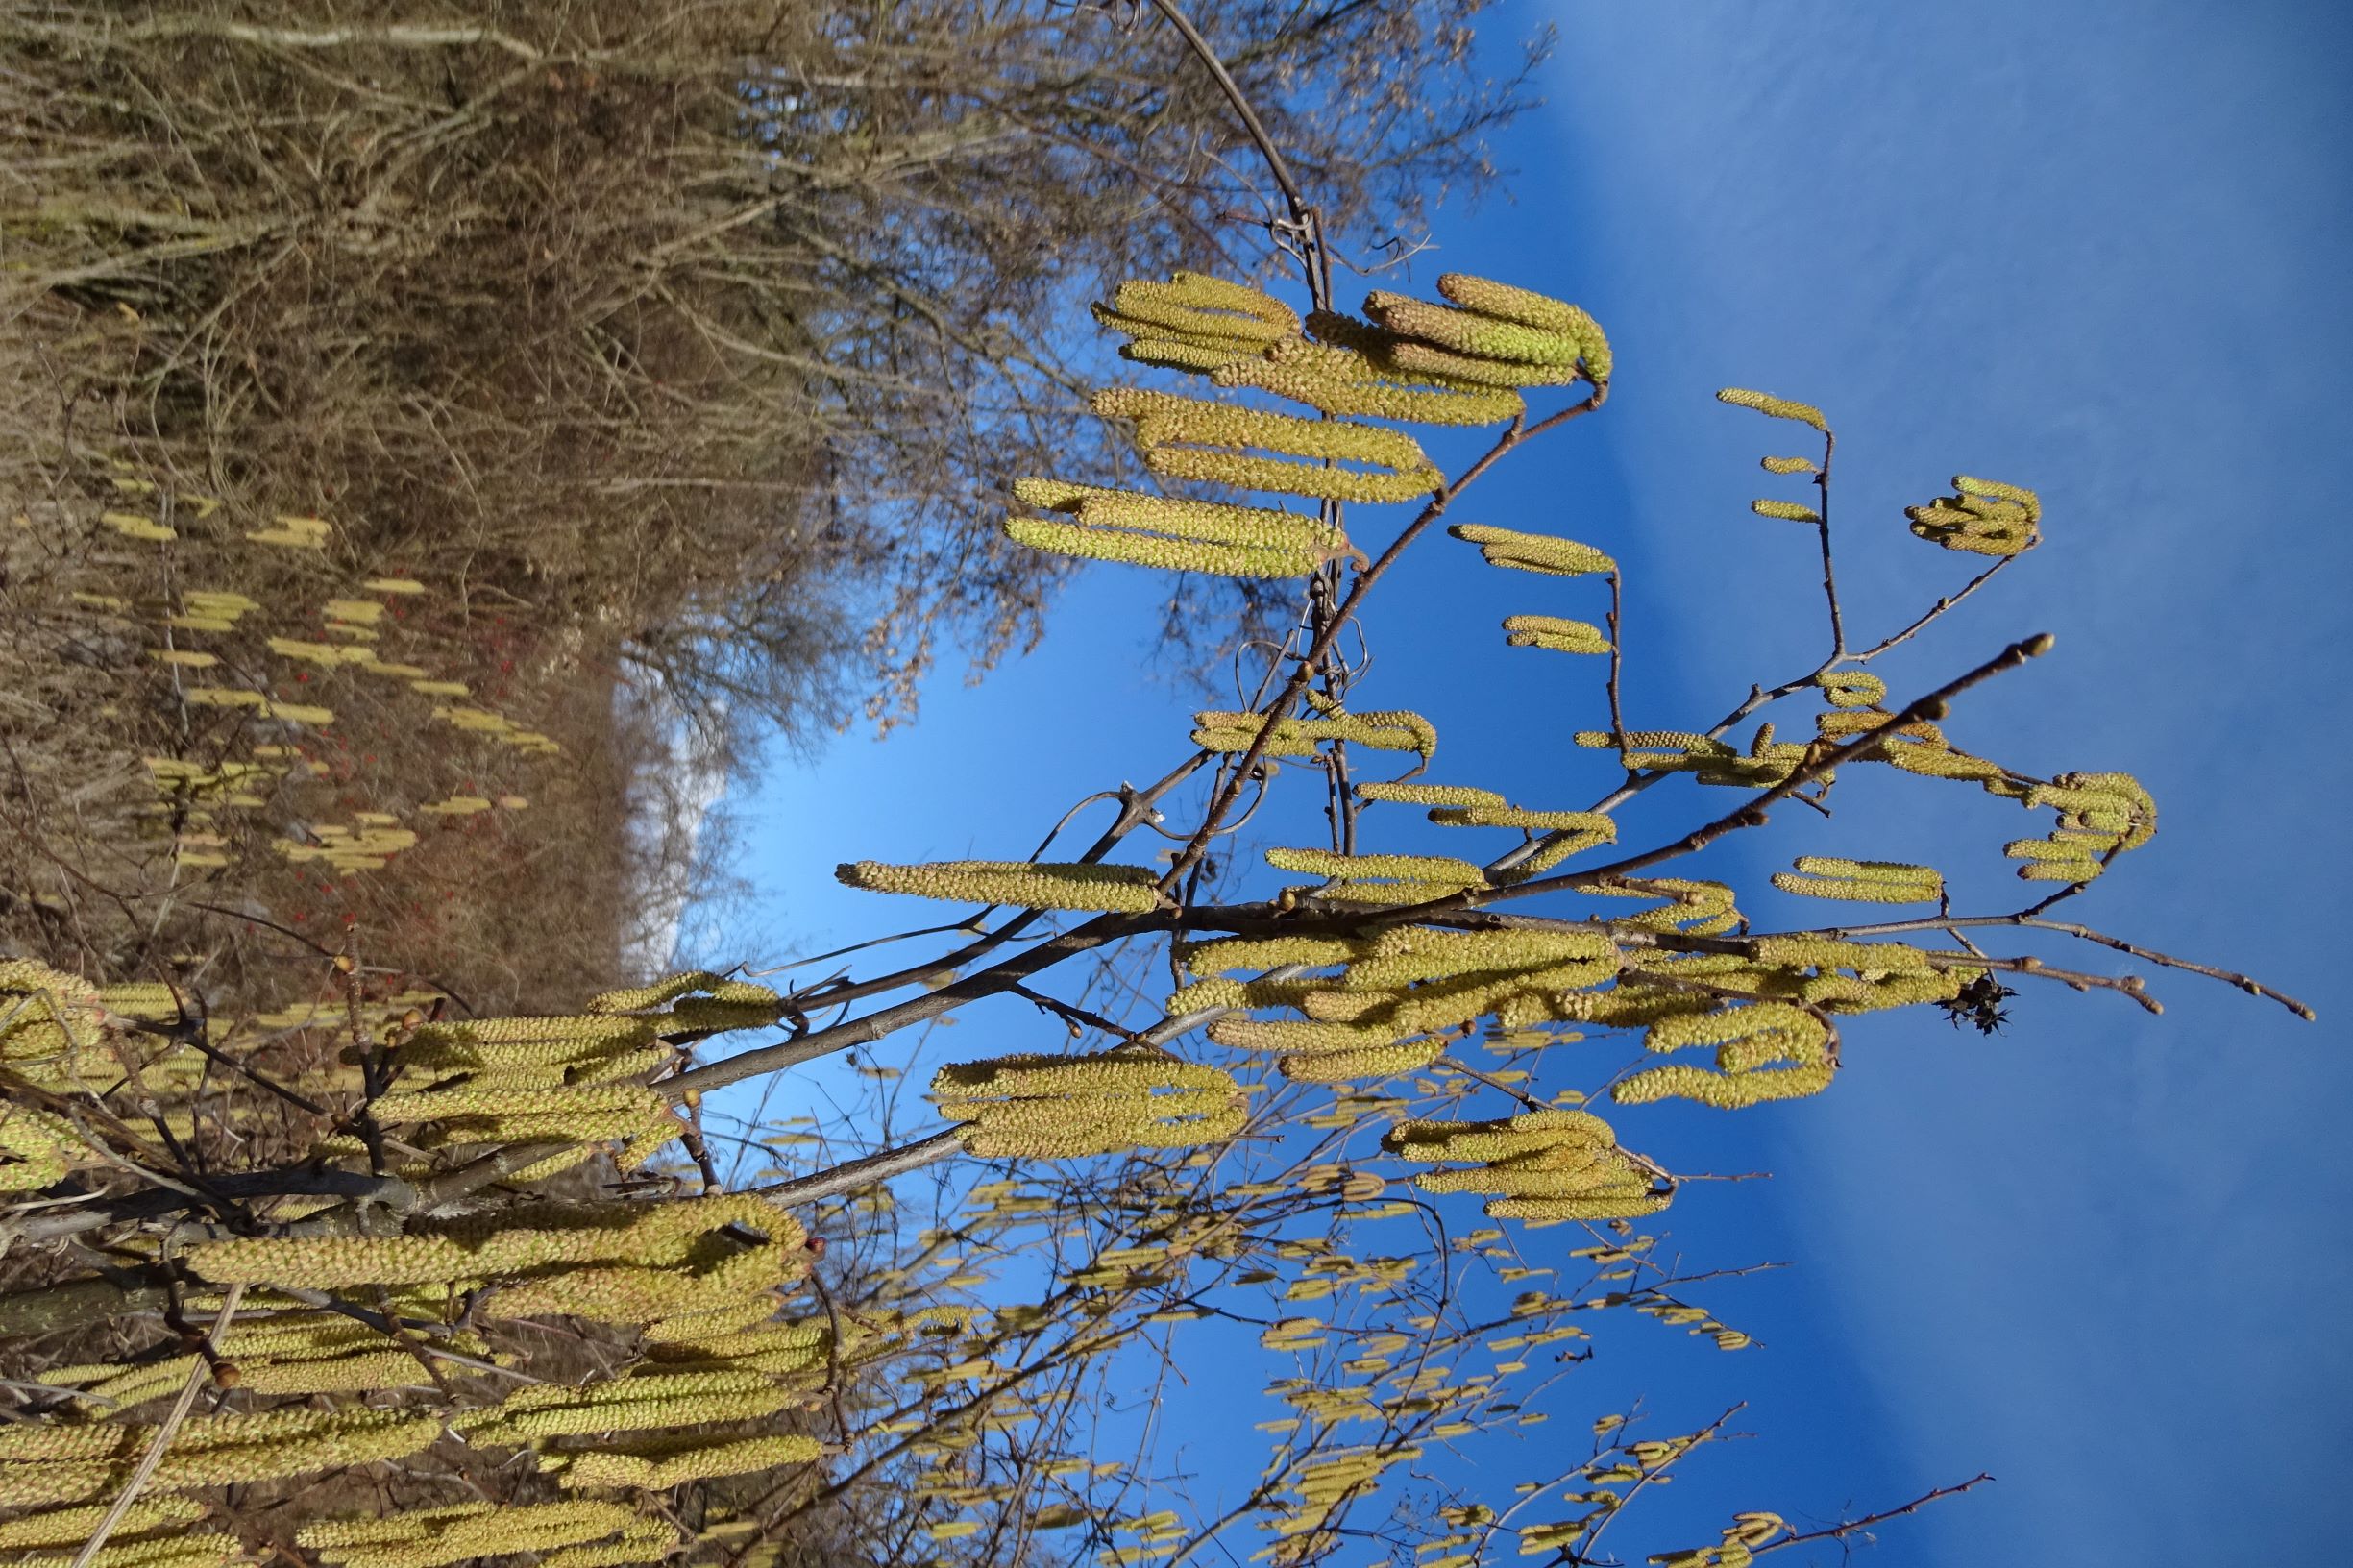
<point x="198" y="1376"/>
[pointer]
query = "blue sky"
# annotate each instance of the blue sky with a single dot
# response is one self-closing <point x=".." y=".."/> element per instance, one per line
<point x="2093" y="248"/>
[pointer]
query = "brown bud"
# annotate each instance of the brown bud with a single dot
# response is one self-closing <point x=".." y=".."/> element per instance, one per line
<point x="226" y="1375"/>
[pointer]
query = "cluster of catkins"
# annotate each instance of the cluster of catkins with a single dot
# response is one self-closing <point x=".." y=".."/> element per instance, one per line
<point x="1062" y="1107"/>
<point x="58" y="1032"/>
<point x="577" y="1080"/>
<point x="1541" y="1165"/>
<point x="699" y="1279"/>
<point x="1414" y="361"/>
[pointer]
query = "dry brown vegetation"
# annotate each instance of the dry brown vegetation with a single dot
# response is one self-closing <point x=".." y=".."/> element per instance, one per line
<point x="643" y="367"/>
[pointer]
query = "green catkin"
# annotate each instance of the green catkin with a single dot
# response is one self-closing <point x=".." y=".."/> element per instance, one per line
<point x="1533" y="551"/>
<point x="1556" y="632"/>
<point x="1028" y="885"/>
<point x="1787" y="511"/>
<point x="1772" y="407"/>
<point x="1788" y="465"/>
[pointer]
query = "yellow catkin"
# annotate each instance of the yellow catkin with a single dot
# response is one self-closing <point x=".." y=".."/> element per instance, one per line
<point x="210" y="1549"/>
<point x="1198" y="302"/>
<point x="1227" y="954"/>
<point x="1057" y="1107"/>
<point x="1340" y="381"/>
<point x="1829" y="953"/>
<point x="1556" y="632"/>
<point x="1028" y="885"/>
<point x="1367" y="1064"/>
<point x="1851" y="688"/>
<point x="71" y="1527"/>
<point x="1772" y="407"/>
<point x="1981" y="517"/>
<point x="1473" y="332"/>
<point x="1445" y="869"/>
<point x="432" y="1538"/>
<point x="1402" y="956"/>
<point x="1283" y="1035"/>
<point x="655" y="1466"/>
<point x="1722" y="1091"/>
<point x="1158" y="552"/>
<point x="1786" y="511"/>
<point x="1873" y="881"/>
<point x="1204" y="995"/>
<point x="1430" y="795"/>
<point x="1190" y="438"/>
<point x="1533" y="551"/>
<point x="1380" y="730"/>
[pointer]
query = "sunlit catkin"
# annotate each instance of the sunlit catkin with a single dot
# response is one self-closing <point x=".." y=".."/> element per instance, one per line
<point x="1027" y="885"/>
<point x="1542" y="552"/>
<point x="1045" y="1107"/>
<point x="660" y="1464"/>
<point x="1556" y="632"/>
<point x="1772" y="407"/>
<point x="1981" y="516"/>
<point x="1723" y="1091"/>
<point x="1869" y="881"/>
<point x="1189" y="439"/>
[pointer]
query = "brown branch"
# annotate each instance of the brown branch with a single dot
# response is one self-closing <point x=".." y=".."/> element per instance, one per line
<point x="1822" y="760"/>
<point x="1840" y="1531"/>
